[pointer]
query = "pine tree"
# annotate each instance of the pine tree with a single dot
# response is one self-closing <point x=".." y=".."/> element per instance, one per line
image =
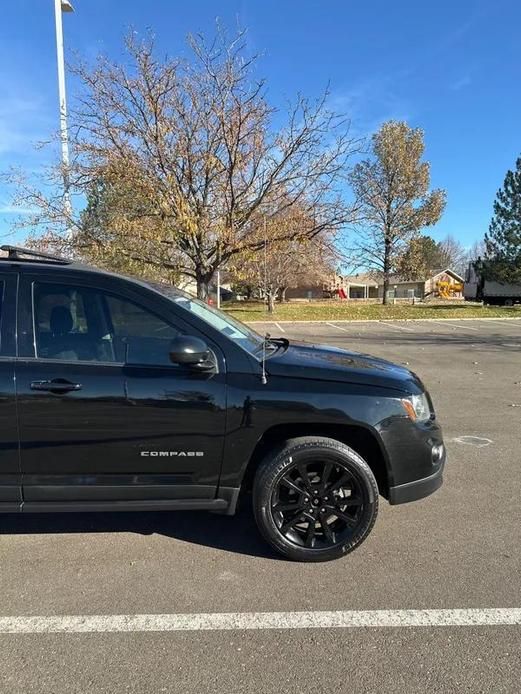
<point x="503" y="242"/>
<point x="422" y="257"/>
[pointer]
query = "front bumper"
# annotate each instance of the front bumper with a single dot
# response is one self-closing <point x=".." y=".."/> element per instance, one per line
<point x="416" y="457"/>
<point x="418" y="489"/>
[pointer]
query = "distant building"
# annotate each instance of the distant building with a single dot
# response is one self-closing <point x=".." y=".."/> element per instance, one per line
<point x="361" y="286"/>
<point x="444" y="284"/>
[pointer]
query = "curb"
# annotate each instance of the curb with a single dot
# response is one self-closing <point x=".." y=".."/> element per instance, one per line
<point x="376" y="320"/>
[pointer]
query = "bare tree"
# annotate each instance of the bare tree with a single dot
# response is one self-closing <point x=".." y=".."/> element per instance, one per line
<point x="194" y="146"/>
<point x="476" y="251"/>
<point x="113" y="213"/>
<point x="393" y="190"/>
<point x="453" y="254"/>
<point x="285" y="259"/>
<point x="311" y="262"/>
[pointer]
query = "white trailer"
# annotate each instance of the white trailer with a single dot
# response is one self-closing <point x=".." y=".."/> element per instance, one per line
<point x="478" y="289"/>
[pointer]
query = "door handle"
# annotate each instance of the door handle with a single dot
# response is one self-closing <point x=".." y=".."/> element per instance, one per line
<point x="57" y="385"/>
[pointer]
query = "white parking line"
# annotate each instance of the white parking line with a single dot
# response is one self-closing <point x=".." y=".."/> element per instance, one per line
<point x="398" y="327"/>
<point x="476" y="441"/>
<point x="514" y="321"/>
<point x="454" y="325"/>
<point x="517" y="321"/>
<point x="78" y="624"/>
<point x="279" y="327"/>
<point x="332" y="325"/>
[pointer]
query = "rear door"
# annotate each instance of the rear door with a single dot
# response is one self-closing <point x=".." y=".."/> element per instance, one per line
<point x="10" y="474"/>
<point x="104" y="416"/>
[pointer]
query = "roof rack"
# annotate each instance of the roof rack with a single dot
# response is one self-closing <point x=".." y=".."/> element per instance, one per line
<point x="19" y="253"/>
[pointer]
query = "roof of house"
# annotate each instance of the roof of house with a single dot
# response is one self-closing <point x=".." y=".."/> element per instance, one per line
<point x="373" y="279"/>
<point x="362" y="278"/>
<point x="448" y="271"/>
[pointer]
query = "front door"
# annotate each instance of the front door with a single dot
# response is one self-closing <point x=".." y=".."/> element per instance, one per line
<point x="10" y="477"/>
<point x="104" y="415"/>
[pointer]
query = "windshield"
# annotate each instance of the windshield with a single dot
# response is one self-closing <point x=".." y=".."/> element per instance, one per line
<point x="240" y="333"/>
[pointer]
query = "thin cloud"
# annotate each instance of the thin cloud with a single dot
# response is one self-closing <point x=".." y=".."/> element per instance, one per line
<point x="12" y="209"/>
<point x="371" y="103"/>
<point x="25" y="117"/>
<point x="22" y="123"/>
<point x="460" y="83"/>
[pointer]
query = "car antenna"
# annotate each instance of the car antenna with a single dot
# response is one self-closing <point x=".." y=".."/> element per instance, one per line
<point x="264" y="379"/>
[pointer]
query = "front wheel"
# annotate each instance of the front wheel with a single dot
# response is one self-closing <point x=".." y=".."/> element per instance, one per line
<point x="315" y="499"/>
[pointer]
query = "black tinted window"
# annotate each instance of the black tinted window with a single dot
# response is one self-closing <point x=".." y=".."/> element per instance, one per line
<point x="139" y="336"/>
<point x="69" y="324"/>
<point x="82" y="324"/>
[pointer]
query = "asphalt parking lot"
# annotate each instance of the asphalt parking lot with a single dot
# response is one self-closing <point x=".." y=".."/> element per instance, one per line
<point x="459" y="549"/>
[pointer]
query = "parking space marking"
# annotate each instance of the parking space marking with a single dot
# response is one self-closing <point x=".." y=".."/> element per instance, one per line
<point x="455" y="325"/>
<point x="332" y="325"/>
<point x="238" y="621"/>
<point x="516" y="321"/>
<point x="398" y="327"/>
<point x="512" y="321"/>
<point x="279" y="327"/>
<point x="477" y="441"/>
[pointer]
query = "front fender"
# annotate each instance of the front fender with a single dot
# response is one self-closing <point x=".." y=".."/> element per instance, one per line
<point x="253" y="409"/>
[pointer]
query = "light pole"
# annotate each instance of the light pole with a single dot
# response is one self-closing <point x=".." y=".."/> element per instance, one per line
<point x="59" y="7"/>
<point x="218" y="289"/>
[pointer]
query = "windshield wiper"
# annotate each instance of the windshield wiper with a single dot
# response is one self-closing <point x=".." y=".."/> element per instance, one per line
<point x="269" y="341"/>
<point x="280" y="341"/>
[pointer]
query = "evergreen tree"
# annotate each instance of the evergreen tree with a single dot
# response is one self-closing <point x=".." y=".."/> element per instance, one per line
<point x="422" y="257"/>
<point x="503" y="242"/>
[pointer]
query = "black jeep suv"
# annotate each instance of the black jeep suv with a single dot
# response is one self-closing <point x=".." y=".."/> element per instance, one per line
<point x="116" y="394"/>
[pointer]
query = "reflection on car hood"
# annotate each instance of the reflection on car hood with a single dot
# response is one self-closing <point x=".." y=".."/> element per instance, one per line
<point x="322" y="362"/>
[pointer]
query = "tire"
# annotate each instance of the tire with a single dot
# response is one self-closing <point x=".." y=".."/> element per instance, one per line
<point x="509" y="302"/>
<point x="289" y="482"/>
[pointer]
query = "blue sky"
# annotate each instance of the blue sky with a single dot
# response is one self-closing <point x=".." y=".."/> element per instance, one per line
<point x="453" y="68"/>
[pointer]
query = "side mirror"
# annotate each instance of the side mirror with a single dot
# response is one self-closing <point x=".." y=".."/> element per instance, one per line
<point x="190" y="351"/>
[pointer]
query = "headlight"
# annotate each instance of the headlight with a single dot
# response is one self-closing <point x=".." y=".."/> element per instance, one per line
<point x="417" y="407"/>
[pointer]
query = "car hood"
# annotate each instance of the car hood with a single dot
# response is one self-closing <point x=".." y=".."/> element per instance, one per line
<point x="322" y="362"/>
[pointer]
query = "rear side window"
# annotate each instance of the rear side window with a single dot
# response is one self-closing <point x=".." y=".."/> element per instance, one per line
<point x="81" y="324"/>
<point x="53" y="301"/>
<point x="69" y="324"/>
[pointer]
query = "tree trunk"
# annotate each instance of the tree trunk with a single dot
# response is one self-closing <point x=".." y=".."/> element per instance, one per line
<point x="282" y="295"/>
<point x="387" y="268"/>
<point x="203" y="283"/>
<point x="202" y="289"/>
<point x="386" y="287"/>
<point x="271" y="300"/>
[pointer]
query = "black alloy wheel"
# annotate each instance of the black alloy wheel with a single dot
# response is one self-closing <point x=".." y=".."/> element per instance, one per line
<point x="316" y="499"/>
<point x="317" y="504"/>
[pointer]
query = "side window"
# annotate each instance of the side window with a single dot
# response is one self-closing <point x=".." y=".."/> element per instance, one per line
<point x="82" y="324"/>
<point x="69" y="324"/>
<point x="138" y="336"/>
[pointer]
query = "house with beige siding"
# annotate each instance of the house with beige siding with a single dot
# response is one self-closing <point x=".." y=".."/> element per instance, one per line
<point x="443" y="284"/>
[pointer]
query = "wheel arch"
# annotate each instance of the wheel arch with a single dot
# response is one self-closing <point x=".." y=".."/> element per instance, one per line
<point x="359" y="438"/>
